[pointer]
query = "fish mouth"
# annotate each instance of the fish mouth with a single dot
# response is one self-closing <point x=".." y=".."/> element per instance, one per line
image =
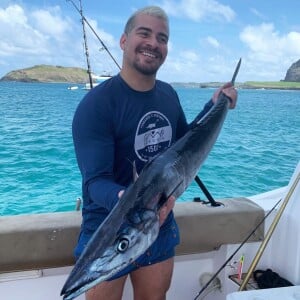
<point x="69" y="294"/>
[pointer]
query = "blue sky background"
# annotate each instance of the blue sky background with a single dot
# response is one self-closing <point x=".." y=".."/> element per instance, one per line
<point x="207" y="36"/>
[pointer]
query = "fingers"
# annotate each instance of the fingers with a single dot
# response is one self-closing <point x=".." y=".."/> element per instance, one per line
<point x="216" y="95"/>
<point x="232" y="94"/>
<point x="229" y="90"/>
<point x="227" y="85"/>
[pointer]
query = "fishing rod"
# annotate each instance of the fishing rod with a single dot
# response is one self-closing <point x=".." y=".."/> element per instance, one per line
<point x="232" y="255"/>
<point x="269" y="233"/>
<point x="95" y="33"/>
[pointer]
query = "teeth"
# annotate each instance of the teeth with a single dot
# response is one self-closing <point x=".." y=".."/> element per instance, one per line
<point x="149" y="54"/>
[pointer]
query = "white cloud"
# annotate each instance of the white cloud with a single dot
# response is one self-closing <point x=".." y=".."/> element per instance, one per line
<point x="268" y="44"/>
<point x="13" y="14"/>
<point x="270" y="53"/>
<point x="46" y="36"/>
<point x="27" y="35"/>
<point x="189" y="56"/>
<point x="212" y="42"/>
<point x="50" y="22"/>
<point x="17" y="35"/>
<point x="258" y="13"/>
<point x="198" y="10"/>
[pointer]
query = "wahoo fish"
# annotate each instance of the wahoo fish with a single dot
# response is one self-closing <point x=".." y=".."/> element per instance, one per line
<point x="133" y="224"/>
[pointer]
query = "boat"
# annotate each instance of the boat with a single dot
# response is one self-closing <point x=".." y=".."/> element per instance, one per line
<point x="36" y="253"/>
<point x="97" y="79"/>
<point x="73" y="87"/>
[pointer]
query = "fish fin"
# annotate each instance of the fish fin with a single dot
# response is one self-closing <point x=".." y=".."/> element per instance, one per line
<point x="135" y="173"/>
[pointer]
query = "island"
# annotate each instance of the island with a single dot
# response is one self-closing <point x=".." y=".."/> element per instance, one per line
<point x="48" y="73"/>
<point x="57" y="74"/>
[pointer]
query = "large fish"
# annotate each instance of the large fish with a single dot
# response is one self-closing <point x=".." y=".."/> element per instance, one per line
<point x="133" y="224"/>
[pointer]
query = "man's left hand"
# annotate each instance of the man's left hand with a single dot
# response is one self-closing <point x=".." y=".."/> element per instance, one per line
<point x="229" y="90"/>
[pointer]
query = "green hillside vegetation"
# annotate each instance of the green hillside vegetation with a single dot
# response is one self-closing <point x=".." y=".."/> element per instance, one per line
<point x="271" y="84"/>
<point x="46" y="73"/>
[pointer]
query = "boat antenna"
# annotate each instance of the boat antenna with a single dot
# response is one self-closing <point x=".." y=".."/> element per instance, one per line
<point x="86" y="47"/>
<point x="238" y="248"/>
<point x="95" y="33"/>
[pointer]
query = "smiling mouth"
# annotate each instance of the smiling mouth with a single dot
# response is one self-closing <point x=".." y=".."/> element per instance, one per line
<point x="149" y="54"/>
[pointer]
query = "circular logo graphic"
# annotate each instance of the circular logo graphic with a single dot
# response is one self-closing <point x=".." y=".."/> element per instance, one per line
<point x="154" y="133"/>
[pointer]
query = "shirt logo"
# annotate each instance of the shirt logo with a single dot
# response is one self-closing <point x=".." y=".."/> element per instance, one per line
<point x="154" y="134"/>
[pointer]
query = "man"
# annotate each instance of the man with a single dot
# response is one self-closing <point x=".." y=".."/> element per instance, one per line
<point x="126" y="121"/>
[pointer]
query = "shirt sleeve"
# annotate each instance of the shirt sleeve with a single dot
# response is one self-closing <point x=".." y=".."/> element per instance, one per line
<point x="94" y="147"/>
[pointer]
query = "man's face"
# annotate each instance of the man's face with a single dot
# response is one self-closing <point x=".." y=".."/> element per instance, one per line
<point x="146" y="45"/>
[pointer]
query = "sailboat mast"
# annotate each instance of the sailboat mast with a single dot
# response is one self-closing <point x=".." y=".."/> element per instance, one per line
<point x="86" y="48"/>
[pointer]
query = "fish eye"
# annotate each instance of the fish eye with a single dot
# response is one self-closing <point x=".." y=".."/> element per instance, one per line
<point x="123" y="245"/>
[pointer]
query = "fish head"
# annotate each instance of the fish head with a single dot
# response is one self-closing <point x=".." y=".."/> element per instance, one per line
<point x="107" y="254"/>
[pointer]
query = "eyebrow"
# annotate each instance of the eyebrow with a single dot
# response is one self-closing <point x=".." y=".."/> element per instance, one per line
<point x="150" y="30"/>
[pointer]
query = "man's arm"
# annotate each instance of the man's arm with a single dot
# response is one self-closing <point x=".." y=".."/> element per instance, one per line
<point x="94" y="147"/>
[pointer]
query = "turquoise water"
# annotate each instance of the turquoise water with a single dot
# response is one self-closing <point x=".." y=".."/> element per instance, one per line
<point x="257" y="150"/>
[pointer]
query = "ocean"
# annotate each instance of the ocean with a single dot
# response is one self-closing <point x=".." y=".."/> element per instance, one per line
<point x="257" y="149"/>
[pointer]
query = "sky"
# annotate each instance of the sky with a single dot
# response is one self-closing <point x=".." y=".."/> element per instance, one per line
<point x="207" y="37"/>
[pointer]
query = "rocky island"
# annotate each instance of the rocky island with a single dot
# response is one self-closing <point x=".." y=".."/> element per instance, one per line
<point x="46" y="73"/>
<point x="293" y="73"/>
<point x="56" y="74"/>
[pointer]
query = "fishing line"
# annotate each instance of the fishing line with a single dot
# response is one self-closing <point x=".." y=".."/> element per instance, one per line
<point x="269" y="233"/>
<point x="232" y="255"/>
<point x="95" y="33"/>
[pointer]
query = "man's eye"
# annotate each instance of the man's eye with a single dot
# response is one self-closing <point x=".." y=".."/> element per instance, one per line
<point x="163" y="40"/>
<point x="144" y="34"/>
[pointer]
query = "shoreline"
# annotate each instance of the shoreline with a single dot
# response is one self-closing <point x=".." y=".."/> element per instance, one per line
<point x="251" y="85"/>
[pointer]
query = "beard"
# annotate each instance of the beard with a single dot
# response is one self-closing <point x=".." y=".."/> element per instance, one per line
<point x="146" y="69"/>
<point x="148" y="66"/>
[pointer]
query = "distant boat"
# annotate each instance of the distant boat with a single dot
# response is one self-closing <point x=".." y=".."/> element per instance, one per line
<point x="97" y="79"/>
<point x="73" y="87"/>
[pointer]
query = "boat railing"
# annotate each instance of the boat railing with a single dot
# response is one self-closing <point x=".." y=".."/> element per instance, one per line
<point x="39" y="241"/>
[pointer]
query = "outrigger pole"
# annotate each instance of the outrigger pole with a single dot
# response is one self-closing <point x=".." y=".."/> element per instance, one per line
<point x="95" y="33"/>
<point x="86" y="48"/>
<point x="269" y="234"/>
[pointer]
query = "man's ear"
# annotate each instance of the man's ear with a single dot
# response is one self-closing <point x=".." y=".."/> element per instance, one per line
<point x="123" y="41"/>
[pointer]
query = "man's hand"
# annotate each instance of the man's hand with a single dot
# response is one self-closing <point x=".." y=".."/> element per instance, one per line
<point x="229" y="90"/>
<point x="165" y="209"/>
